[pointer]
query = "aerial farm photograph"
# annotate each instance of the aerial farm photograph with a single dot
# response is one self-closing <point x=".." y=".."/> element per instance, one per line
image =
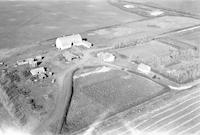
<point x="99" y="67"/>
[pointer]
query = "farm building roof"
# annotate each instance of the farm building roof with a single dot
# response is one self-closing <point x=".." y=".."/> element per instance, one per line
<point x="144" y="68"/>
<point x="67" y="41"/>
<point x="105" y="56"/>
<point x="38" y="71"/>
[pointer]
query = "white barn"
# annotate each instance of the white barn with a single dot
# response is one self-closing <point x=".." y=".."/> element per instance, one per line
<point x="67" y="41"/>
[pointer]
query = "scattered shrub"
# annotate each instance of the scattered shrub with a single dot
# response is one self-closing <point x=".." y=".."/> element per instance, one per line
<point x="13" y="76"/>
<point x="26" y="73"/>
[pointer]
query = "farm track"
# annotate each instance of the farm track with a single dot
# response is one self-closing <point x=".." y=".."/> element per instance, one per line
<point x="175" y="43"/>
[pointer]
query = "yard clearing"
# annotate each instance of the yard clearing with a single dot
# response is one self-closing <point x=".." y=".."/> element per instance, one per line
<point x="147" y="50"/>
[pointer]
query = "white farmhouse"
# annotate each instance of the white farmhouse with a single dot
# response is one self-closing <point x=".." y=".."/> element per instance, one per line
<point x="143" y="68"/>
<point x="105" y="56"/>
<point x="67" y="41"/>
<point x="38" y="71"/>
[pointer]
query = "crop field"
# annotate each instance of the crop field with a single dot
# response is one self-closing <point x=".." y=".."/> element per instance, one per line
<point x="190" y="37"/>
<point x="115" y="92"/>
<point x="150" y="28"/>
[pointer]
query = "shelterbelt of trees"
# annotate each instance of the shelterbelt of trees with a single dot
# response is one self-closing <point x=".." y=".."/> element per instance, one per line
<point x="181" y="66"/>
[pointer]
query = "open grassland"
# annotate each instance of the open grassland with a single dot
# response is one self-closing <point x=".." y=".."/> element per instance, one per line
<point x="26" y="22"/>
<point x="140" y="30"/>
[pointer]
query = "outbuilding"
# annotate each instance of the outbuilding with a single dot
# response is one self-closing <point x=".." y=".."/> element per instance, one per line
<point x="26" y="61"/>
<point x="38" y="57"/>
<point x="84" y="43"/>
<point x="156" y="13"/>
<point x="1" y="63"/>
<point x="22" y="62"/>
<point x="143" y="68"/>
<point x="30" y="60"/>
<point x="37" y="71"/>
<point x="33" y="64"/>
<point x="69" y="56"/>
<point x="42" y="76"/>
<point x="105" y="56"/>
